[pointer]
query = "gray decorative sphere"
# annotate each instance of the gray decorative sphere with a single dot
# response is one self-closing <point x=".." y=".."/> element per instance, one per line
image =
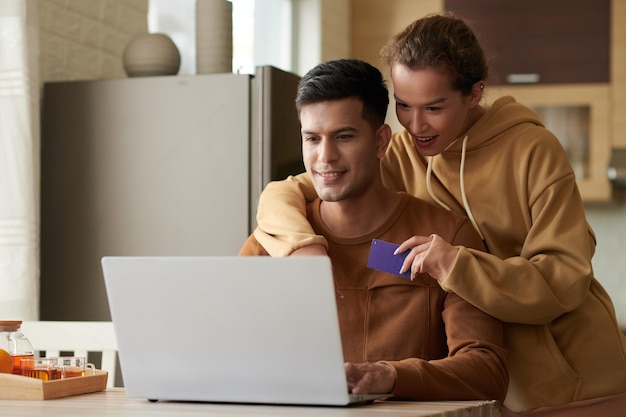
<point x="150" y="54"/>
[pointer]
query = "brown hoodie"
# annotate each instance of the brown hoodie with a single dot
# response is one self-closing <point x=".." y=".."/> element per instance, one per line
<point x="441" y="346"/>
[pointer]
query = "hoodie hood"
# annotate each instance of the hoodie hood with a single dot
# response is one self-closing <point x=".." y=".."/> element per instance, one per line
<point x="503" y="114"/>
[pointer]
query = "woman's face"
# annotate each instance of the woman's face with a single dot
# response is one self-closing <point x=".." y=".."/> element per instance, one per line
<point x="430" y="109"/>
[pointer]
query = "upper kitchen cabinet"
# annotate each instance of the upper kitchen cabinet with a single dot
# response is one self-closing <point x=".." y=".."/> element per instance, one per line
<point x="534" y="41"/>
<point x="554" y="57"/>
<point x="566" y="59"/>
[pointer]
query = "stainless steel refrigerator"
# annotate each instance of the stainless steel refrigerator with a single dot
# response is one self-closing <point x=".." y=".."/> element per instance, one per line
<point x="155" y="166"/>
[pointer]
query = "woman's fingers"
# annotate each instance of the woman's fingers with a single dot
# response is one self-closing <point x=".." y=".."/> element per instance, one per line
<point x="413" y="261"/>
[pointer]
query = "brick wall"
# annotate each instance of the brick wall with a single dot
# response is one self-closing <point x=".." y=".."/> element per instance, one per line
<point x="85" y="39"/>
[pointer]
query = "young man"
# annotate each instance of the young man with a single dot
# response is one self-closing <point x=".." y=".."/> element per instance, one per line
<point x="408" y="338"/>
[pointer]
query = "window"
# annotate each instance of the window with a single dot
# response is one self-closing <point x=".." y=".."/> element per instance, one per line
<point x="262" y="32"/>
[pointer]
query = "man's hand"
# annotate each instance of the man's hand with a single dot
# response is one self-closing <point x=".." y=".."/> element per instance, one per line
<point x="370" y="378"/>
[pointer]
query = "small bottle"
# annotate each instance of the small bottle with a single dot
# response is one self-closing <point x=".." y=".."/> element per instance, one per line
<point x="13" y="341"/>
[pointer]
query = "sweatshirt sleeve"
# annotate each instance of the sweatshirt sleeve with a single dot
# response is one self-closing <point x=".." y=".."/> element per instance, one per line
<point x="548" y="273"/>
<point x="282" y="223"/>
<point x="475" y="367"/>
<point x="251" y="247"/>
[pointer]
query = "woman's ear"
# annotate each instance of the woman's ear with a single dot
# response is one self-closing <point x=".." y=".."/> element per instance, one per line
<point x="383" y="138"/>
<point x="476" y="94"/>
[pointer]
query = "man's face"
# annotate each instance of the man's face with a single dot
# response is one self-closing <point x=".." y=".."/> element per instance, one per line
<point x="340" y="149"/>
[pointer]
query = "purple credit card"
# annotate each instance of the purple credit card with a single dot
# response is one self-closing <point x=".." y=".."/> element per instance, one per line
<point x="382" y="258"/>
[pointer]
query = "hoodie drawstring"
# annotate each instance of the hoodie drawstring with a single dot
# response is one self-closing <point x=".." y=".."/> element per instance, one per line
<point x="429" y="170"/>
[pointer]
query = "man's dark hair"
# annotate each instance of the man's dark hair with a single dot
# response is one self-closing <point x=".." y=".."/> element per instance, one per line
<point x="346" y="78"/>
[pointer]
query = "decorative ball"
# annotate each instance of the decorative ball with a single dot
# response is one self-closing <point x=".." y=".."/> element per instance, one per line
<point x="149" y="54"/>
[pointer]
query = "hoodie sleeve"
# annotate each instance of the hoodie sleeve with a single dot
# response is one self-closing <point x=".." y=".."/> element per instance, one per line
<point x="541" y="248"/>
<point x="475" y="367"/>
<point x="281" y="216"/>
<point x="550" y="277"/>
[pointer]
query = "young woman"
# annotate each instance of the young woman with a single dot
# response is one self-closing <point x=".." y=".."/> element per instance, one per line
<point x="501" y="168"/>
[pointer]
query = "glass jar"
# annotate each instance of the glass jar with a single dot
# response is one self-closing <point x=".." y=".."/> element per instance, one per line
<point x="13" y="341"/>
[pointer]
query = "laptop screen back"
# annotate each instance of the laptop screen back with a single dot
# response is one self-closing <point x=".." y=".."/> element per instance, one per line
<point x="227" y="329"/>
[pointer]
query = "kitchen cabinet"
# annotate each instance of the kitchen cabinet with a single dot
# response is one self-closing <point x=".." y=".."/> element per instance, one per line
<point x="580" y="48"/>
<point x="618" y="72"/>
<point x="554" y="42"/>
<point x="554" y="57"/>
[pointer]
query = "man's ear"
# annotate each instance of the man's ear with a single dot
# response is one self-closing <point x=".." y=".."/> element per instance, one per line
<point x="383" y="138"/>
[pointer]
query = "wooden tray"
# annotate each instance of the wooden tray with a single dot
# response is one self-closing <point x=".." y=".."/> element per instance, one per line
<point x="17" y="387"/>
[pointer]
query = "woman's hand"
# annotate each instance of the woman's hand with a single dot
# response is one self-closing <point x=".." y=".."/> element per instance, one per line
<point x="431" y="255"/>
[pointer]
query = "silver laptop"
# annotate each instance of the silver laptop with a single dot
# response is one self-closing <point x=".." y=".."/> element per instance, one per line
<point x="228" y="329"/>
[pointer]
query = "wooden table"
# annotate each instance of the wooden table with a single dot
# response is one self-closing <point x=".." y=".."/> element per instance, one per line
<point x="114" y="402"/>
